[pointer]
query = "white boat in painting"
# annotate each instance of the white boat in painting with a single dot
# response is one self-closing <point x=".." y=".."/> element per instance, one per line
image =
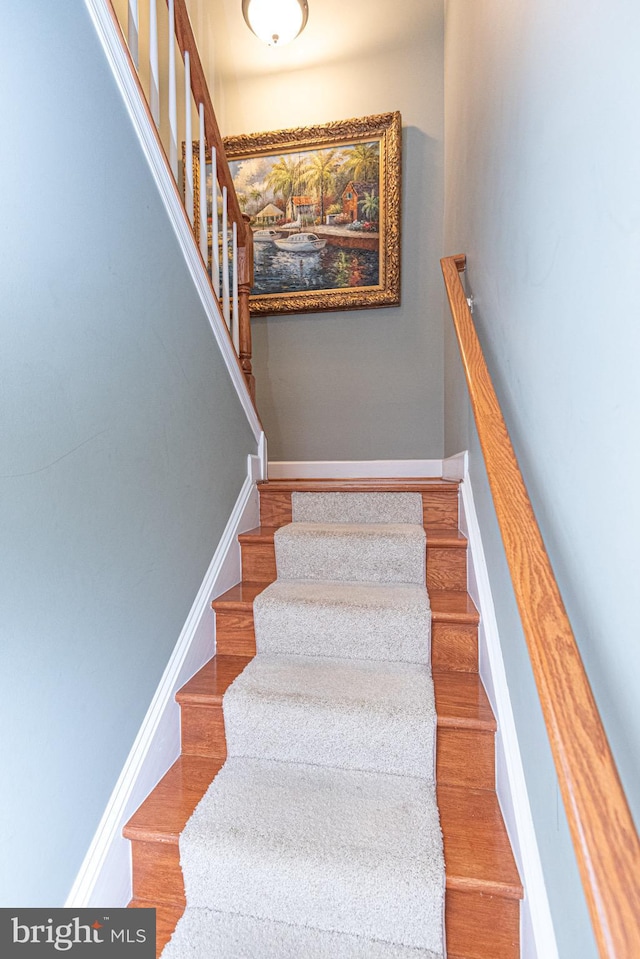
<point x="265" y="236"/>
<point x="301" y="243"/>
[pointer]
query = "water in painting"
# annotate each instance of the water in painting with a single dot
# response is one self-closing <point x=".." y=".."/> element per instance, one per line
<point x="283" y="271"/>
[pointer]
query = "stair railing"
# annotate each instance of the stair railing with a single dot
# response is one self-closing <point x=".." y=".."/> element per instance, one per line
<point x="604" y="836"/>
<point x="198" y="162"/>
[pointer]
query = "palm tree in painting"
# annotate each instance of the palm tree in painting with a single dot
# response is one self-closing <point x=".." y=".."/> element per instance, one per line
<point x="287" y="177"/>
<point x="371" y="206"/>
<point x="255" y="195"/>
<point x="323" y="167"/>
<point x="363" y="161"/>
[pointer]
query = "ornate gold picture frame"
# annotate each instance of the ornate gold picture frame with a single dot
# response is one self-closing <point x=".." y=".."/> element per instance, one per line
<point x="324" y="203"/>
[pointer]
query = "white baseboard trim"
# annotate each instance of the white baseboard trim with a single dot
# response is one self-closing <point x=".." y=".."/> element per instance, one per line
<point x="110" y="37"/>
<point x="537" y="936"/>
<point x="455" y="467"/>
<point x="104" y="879"/>
<point x="353" y="469"/>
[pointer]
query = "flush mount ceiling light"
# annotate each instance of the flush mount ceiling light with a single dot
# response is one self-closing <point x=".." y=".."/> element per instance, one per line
<point x="276" y="22"/>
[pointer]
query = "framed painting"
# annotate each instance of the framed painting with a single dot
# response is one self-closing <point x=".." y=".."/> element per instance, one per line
<point x="324" y="203"/>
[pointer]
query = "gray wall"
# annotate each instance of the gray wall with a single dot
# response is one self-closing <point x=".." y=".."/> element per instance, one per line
<point x="543" y="194"/>
<point x="363" y="384"/>
<point x="122" y="444"/>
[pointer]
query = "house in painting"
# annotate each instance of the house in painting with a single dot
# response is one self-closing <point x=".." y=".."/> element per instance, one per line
<point x="300" y="208"/>
<point x="268" y="215"/>
<point x="353" y="197"/>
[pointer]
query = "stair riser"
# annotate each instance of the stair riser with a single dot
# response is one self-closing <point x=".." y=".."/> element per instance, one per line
<point x="167" y="916"/>
<point x="235" y="635"/>
<point x="453" y="646"/>
<point x="156" y="872"/>
<point x="439" y="508"/>
<point x="202" y="730"/>
<point x="203" y="735"/>
<point x="454" y="746"/>
<point x="446" y="566"/>
<point x="477" y="925"/>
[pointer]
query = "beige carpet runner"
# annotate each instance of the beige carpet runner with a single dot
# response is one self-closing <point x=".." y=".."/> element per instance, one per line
<point x="320" y="836"/>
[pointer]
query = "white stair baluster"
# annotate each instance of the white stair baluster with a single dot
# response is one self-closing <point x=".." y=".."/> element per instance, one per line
<point x="154" y="72"/>
<point x="173" y="107"/>
<point x="203" y="189"/>
<point x="235" y="332"/>
<point x="226" y="305"/>
<point x="215" y="233"/>
<point x="132" y="31"/>
<point x="188" y="147"/>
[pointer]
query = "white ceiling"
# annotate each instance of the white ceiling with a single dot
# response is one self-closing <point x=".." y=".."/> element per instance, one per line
<point x="336" y="30"/>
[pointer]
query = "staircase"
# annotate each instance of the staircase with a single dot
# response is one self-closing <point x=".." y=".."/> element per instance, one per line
<point x="482" y="884"/>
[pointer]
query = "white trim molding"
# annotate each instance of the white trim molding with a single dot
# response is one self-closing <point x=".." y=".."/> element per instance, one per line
<point x="537" y="936"/>
<point x="354" y="469"/>
<point x="104" y="879"/>
<point x="455" y="467"/>
<point x="119" y="60"/>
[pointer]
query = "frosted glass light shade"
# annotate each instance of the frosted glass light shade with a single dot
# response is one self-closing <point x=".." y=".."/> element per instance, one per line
<point x="276" y="22"/>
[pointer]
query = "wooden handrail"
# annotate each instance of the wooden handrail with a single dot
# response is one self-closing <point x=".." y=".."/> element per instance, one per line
<point x="603" y="832"/>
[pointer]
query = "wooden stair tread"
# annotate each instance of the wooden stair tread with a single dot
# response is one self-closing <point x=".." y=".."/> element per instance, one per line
<point x="477" y="851"/>
<point x="461" y="701"/>
<point x="460" y="697"/>
<point x="240" y="597"/>
<point x="439" y="497"/>
<point x="447" y="605"/>
<point x="168" y="914"/>
<point x="164" y="813"/>
<point x="392" y="484"/>
<point x="209" y="684"/>
<point x="260" y="534"/>
<point x="453" y="606"/>
<point x="446" y="551"/>
<point x="436" y="536"/>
